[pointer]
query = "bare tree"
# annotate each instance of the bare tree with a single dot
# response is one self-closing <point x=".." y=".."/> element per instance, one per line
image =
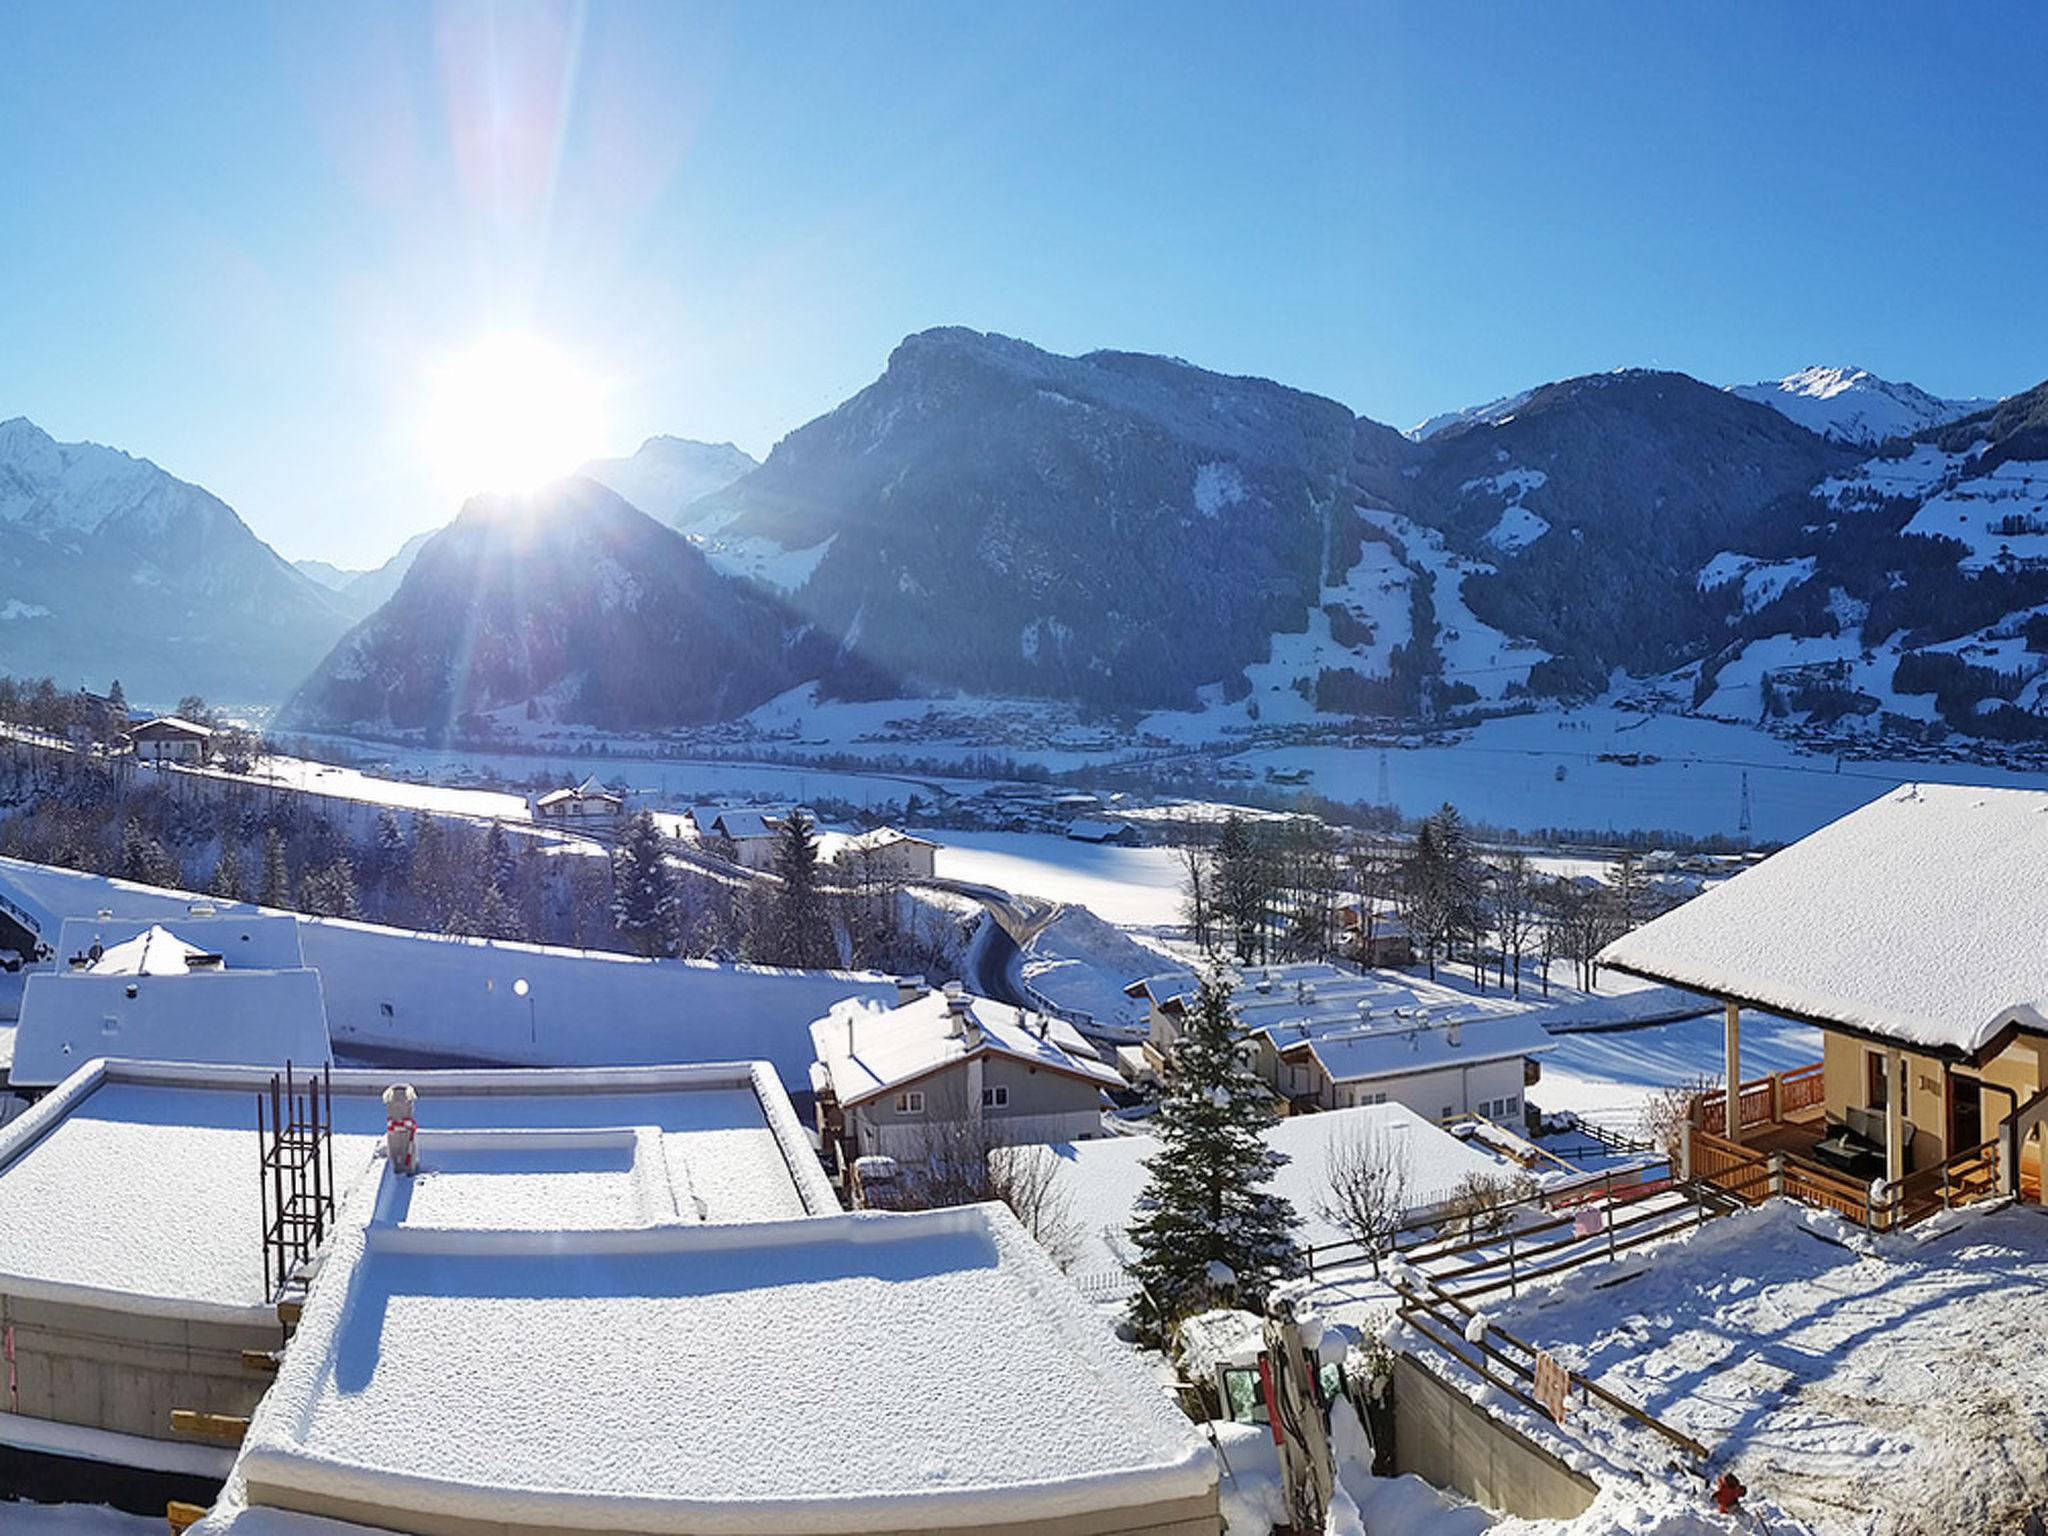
<point x="1667" y="1116"/>
<point x="1514" y="911"/>
<point x="963" y="1159"/>
<point x="1483" y="1203"/>
<point x="1366" y="1187"/>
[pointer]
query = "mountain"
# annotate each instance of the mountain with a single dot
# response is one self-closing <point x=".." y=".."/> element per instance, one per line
<point x="322" y="573"/>
<point x="1115" y="529"/>
<point x="568" y="603"/>
<point x="113" y="568"/>
<point x="1852" y="405"/>
<point x="1492" y="411"/>
<point x="667" y="474"/>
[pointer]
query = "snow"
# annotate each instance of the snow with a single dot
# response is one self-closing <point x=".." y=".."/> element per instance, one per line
<point x="1080" y="965"/>
<point x="1217" y="485"/>
<point x="1099" y="1182"/>
<point x="1491" y="413"/>
<point x="1917" y="474"/>
<point x="869" y="1048"/>
<point x="395" y="1391"/>
<point x="1763" y="581"/>
<point x="1862" y="1383"/>
<point x="1131" y="887"/>
<point x="391" y="989"/>
<point x="75" y="1520"/>
<point x="1516" y="528"/>
<point x="1853" y="405"/>
<point x="1836" y="926"/>
<point x="1615" y="1077"/>
<point x="15" y="608"/>
<point x="764" y="560"/>
<point x="165" y="1156"/>
<point x="1971" y="509"/>
<point x="1473" y="652"/>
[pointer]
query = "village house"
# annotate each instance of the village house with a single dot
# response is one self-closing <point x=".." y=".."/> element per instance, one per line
<point x="1373" y="933"/>
<point x="1323" y="1036"/>
<point x="747" y="838"/>
<point x="892" y="1082"/>
<point x="583" y="803"/>
<point x="1910" y="932"/>
<point x="1095" y="829"/>
<point x="168" y="739"/>
<point x="888" y="854"/>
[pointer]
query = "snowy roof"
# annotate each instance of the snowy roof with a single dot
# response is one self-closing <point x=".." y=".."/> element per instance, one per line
<point x="882" y="837"/>
<point x="1394" y="1048"/>
<point x="171" y="725"/>
<point x="867" y="1049"/>
<point x="165" y="1157"/>
<point x="670" y="1379"/>
<point x="141" y="999"/>
<point x="1100" y="1181"/>
<point x="458" y="997"/>
<point x="742" y="826"/>
<point x="1917" y="918"/>
<point x="1090" y="829"/>
<point x="589" y="789"/>
<point x="244" y="938"/>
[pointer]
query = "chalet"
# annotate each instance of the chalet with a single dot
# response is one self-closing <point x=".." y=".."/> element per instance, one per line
<point x="888" y="854"/>
<point x="1373" y="933"/>
<point x="1324" y="1036"/>
<point x="168" y="739"/>
<point x="1094" y="829"/>
<point x="890" y="1081"/>
<point x="747" y="838"/>
<point x="583" y="803"/>
<point x="1910" y="932"/>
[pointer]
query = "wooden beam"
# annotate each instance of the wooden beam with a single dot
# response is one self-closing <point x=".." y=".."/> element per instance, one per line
<point x="183" y="1516"/>
<point x="226" y="1428"/>
<point x="1895" y="1117"/>
<point x="1731" y="1041"/>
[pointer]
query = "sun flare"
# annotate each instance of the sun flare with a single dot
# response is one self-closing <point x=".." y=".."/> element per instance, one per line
<point x="509" y="413"/>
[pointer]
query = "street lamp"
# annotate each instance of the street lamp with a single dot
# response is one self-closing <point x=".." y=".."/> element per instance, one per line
<point x="521" y="989"/>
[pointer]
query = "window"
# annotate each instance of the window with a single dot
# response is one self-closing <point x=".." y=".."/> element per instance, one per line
<point x="1370" y="1098"/>
<point x="911" y="1103"/>
<point x="1879" y="1081"/>
<point x="997" y="1097"/>
<point x="1507" y="1107"/>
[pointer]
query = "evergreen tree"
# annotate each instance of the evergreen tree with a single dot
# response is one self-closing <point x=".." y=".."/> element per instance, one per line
<point x="390" y="855"/>
<point x="1208" y="1229"/>
<point x="276" y="888"/>
<point x="643" y="889"/>
<point x="501" y="864"/>
<point x="497" y="918"/>
<point x="143" y="858"/>
<point x="228" y="882"/>
<point x="800" y="928"/>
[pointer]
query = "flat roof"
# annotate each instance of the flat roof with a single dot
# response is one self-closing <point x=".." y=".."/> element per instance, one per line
<point x="164" y="1157"/>
<point x="841" y="1373"/>
<point x="1918" y="918"/>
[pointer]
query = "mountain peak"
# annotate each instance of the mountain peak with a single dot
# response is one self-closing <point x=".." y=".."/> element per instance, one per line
<point x="1854" y="405"/>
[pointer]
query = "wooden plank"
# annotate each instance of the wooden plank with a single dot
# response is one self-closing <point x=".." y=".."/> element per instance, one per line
<point x="225" y="1428"/>
<point x="265" y="1361"/>
<point x="182" y="1516"/>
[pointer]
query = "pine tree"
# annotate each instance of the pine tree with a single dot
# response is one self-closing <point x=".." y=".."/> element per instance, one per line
<point x="643" y="889"/>
<point x="143" y="858"/>
<point x="497" y="918"/>
<point x="276" y="888"/>
<point x="1207" y="1227"/>
<point x="390" y="855"/>
<point x="801" y="930"/>
<point x="501" y="864"/>
<point x="228" y="883"/>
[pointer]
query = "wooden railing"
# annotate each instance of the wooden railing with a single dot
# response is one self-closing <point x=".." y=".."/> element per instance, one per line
<point x="1753" y="1176"/>
<point x="1767" y="1100"/>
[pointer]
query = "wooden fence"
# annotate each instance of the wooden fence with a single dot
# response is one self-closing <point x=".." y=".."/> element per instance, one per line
<point x="1769" y="1100"/>
<point x="1753" y="1176"/>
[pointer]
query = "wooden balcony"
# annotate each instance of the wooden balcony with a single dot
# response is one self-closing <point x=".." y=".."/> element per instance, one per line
<point x="1782" y="1116"/>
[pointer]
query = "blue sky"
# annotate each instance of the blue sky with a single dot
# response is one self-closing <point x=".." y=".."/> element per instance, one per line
<point x="232" y="237"/>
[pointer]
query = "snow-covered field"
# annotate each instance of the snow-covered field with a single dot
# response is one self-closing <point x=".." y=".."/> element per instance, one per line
<point x="1131" y="887"/>
<point x="1883" y="1386"/>
<point x="1612" y="1076"/>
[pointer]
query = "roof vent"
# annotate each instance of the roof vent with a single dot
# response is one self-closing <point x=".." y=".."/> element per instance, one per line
<point x="954" y="989"/>
<point x="909" y="989"/>
<point x="1453" y="1032"/>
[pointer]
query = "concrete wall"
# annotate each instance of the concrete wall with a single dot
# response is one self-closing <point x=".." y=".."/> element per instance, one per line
<point x="1444" y="1438"/>
<point x="1179" y="1517"/>
<point x="126" y="1371"/>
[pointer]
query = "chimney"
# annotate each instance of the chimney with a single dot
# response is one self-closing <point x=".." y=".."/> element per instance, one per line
<point x="909" y="989"/>
<point x="1452" y="1033"/>
<point x="960" y="1020"/>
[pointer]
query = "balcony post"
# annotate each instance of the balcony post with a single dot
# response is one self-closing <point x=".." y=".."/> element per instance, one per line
<point x="1895" y="1118"/>
<point x="1732" y="1044"/>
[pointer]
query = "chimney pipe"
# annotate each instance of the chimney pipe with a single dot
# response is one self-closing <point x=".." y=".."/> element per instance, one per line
<point x="909" y="989"/>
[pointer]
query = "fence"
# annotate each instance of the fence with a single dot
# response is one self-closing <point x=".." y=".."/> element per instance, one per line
<point x="1752" y="1176"/>
<point x="1769" y="1100"/>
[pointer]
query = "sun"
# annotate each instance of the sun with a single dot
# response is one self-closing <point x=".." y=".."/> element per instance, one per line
<point x="508" y="413"/>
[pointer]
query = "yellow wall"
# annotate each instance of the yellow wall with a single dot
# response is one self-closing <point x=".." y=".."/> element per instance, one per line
<point x="2022" y="1066"/>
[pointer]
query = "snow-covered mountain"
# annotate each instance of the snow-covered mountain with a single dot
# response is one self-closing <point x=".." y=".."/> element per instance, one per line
<point x="1492" y="411"/>
<point x="667" y="474"/>
<point x="111" y="567"/>
<point x="1853" y="405"/>
<point x="325" y="573"/>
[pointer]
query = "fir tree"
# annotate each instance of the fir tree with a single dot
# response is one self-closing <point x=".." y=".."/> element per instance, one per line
<point x="143" y="858"/>
<point x="228" y="883"/>
<point x="1208" y="1229"/>
<point x="276" y="889"/>
<point x="497" y="918"/>
<point x="800" y="930"/>
<point x="501" y="864"/>
<point x="391" y="851"/>
<point x="643" y="889"/>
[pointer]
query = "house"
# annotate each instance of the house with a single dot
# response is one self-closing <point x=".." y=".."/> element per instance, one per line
<point x="747" y="838"/>
<point x="890" y="1081"/>
<point x="1373" y="933"/>
<point x="211" y="990"/>
<point x="1910" y="932"/>
<point x="1324" y="1036"/>
<point x="589" y="801"/>
<point x="1099" y="1182"/>
<point x="1092" y="829"/>
<point x="168" y="739"/>
<point x="886" y="853"/>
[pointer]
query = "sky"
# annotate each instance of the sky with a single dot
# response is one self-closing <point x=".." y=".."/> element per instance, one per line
<point x="242" y="240"/>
